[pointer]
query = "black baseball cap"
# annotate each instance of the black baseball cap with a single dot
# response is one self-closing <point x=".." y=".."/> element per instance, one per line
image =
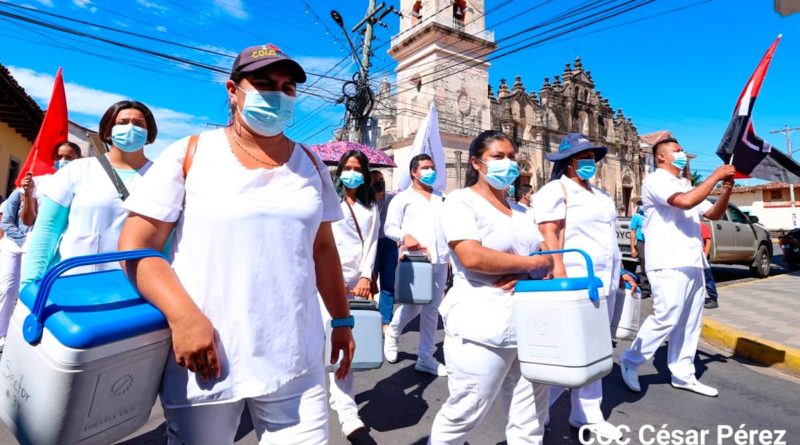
<point x="253" y="58"/>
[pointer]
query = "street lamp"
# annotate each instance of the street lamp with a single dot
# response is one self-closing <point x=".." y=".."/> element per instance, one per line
<point x="339" y="21"/>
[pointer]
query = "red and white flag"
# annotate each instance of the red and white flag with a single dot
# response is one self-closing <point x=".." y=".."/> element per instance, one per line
<point x="751" y="155"/>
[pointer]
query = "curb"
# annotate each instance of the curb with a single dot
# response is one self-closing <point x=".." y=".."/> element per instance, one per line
<point x="758" y="350"/>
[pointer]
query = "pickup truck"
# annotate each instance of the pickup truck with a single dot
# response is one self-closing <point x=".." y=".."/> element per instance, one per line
<point x="735" y="239"/>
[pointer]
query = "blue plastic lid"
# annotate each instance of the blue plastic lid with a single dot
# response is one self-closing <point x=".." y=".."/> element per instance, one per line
<point x="92" y="309"/>
<point x="558" y="284"/>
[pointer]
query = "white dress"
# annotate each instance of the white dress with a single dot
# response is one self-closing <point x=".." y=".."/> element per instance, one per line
<point x="357" y="257"/>
<point x="243" y="250"/>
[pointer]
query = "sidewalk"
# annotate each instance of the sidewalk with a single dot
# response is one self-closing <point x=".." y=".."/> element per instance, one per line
<point x="758" y="321"/>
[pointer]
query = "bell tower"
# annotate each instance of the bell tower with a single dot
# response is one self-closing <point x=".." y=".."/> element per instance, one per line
<point x="441" y="53"/>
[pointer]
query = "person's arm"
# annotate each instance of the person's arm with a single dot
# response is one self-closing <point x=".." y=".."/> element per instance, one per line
<point x="330" y="284"/>
<point x="690" y="199"/>
<point x="30" y="206"/>
<point x="9" y="221"/>
<point x="634" y="230"/>
<point x="192" y="333"/>
<point x="43" y="240"/>
<point x="394" y="219"/>
<point x="551" y="233"/>
<point x="718" y="209"/>
<point x="368" y="254"/>
<point x="475" y="256"/>
<point x="706" y="246"/>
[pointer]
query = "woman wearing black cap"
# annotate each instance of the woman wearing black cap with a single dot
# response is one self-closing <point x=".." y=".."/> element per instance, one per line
<point x="573" y="213"/>
<point x="252" y="212"/>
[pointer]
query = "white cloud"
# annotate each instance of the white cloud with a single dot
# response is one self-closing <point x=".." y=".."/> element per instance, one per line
<point x="153" y="6"/>
<point x="91" y="102"/>
<point x="48" y="3"/>
<point x="85" y="4"/>
<point x="161" y="28"/>
<point x="233" y="8"/>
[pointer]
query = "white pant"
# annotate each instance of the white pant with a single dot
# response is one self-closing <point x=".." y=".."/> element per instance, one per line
<point x="429" y="315"/>
<point x="476" y="375"/>
<point x="294" y="414"/>
<point x="343" y="397"/>
<point x="678" y="297"/>
<point x="9" y="286"/>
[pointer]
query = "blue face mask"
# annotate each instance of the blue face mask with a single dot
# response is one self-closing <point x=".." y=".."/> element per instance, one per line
<point x="128" y="137"/>
<point x="679" y="159"/>
<point x="500" y="173"/>
<point x="511" y="191"/>
<point x="352" y="179"/>
<point x="267" y="113"/>
<point x="586" y="169"/>
<point x="427" y="176"/>
<point x="58" y="165"/>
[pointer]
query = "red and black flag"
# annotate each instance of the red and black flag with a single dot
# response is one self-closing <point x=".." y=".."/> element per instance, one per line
<point x="752" y="156"/>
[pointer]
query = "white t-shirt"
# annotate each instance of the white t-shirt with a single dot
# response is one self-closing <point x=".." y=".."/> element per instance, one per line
<point x="358" y="259"/>
<point x="243" y="250"/>
<point x="410" y="213"/>
<point x="672" y="234"/>
<point x="96" y="212"/>
<point x="591" y="224"/>
<point x="474" y="309"/>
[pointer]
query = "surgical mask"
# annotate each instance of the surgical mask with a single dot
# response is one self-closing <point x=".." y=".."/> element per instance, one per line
<point x="59" y="164"/>
<point x="586" y="169"/>
<point x="267" y="113"/>
<point x="679" y="159"/>
<point x="128" y="137"/>
<point x="352" y="179"/>
<point x="511" y="191"/>
<point x="500" y="173"/>
<point x="427" y="176"/>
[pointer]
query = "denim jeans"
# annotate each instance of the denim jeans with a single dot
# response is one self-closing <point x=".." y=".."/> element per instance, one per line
<point x="385" y="265"/>
<point x="711" y="285"/>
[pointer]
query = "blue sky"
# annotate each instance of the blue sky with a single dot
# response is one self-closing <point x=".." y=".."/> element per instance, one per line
<point x="681" y="71"/>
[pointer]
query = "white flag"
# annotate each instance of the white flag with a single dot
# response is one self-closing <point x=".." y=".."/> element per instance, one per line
<point x="428" y="141"/>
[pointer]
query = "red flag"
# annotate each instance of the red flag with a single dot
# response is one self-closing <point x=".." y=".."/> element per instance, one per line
<point x="752" y="156"/>
<point x="54" y="130"/>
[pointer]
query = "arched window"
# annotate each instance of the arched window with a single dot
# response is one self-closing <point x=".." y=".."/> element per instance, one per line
<point x="459" y="13"/>
<point x="416" y="11"/>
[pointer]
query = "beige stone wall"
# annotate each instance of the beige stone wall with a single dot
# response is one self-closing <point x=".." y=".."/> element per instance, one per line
<point x="13" y="147"/>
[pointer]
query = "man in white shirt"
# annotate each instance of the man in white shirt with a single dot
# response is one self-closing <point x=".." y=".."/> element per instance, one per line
<point x="675" y="265"/>
<point x="413" y="221"/>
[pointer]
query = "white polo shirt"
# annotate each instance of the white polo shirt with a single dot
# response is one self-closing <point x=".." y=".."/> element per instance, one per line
<point x="410" y="213"/>
<point x="672" y="234"/>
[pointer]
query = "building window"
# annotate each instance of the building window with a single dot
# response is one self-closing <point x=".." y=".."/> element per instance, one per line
<point x="459" y="13"/>
<point x="416" y="11"/>
<point x="775" y="195"/>
<point x="13" y="172"/>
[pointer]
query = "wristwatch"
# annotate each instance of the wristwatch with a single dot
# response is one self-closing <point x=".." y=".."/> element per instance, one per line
<point x="347" y="322"/>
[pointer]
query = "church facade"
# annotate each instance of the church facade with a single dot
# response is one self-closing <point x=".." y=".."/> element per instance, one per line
<point x="441" y="51"/>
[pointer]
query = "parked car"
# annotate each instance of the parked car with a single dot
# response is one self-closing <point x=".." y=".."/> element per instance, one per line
<point x="790" y="244"/>
<point x="735" y="238"/>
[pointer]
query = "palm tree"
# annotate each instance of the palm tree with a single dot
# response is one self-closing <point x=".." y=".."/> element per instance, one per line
<point x="696" y="178"/>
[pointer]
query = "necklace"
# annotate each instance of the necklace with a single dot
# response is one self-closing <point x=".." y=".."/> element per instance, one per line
<point x="289" y="151"/>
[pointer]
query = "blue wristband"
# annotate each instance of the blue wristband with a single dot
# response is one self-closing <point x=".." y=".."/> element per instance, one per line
<point x="347" y="322"/>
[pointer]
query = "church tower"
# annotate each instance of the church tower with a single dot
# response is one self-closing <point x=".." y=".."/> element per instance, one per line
<point x="441" y="53"/>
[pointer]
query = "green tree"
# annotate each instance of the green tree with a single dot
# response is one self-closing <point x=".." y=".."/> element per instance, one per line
<point x="697" y="178"/>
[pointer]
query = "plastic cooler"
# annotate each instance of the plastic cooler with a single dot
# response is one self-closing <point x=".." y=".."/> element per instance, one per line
<point x="413" y="281"/>
<point x="367" y="333"/>
<point x="562" y="328"/>
<point x="84" y="356"/>
<point x="627" y="313"/>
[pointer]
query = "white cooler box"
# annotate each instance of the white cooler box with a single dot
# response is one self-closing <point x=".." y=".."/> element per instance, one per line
<point x="83" y="358"/>
<point x="562" y="329"/>
<point x="413" y="280"/>
<point x="627" y="313"/>
<point x="367" y="333"/>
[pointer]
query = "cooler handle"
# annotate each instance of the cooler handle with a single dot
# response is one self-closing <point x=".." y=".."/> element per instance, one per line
<point x="33" y="326"/>
<point x="594" y="293"/>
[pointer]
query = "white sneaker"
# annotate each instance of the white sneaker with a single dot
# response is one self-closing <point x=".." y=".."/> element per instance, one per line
<point x="390" y="348"/>
<point x="431" y="366"/>
<point x="697" y="387"/>
<point x="351" y="425"/>
<point x="630" y="376"/>
<point x="603" y="430"/>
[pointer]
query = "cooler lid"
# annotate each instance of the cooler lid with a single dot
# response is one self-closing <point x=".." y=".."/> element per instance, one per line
<point x="87" y="310"/>
<point x="558" y="284"/>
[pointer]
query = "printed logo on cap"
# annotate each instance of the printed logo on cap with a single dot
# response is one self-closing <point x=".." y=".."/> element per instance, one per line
<point x="565" y="145"/>
<point x="267" y="51"/>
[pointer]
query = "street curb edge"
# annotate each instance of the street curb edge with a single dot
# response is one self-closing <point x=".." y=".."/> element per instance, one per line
<point x="758" y="350"/>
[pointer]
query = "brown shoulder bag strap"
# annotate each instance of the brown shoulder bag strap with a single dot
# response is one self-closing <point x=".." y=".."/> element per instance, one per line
<point x="358" y="227"/>
<point x="191" y="148"/>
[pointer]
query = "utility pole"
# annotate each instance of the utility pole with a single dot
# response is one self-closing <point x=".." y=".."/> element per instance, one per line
<point x="357" y="94"/>
<point x="787" y="132"/>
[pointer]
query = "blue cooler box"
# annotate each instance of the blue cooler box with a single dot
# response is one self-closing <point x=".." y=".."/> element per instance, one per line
<point x="413" y="280"/>
<point x="367" y="333"/>
<point x="84" y="356"/>
<point x="562" y="329"/>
